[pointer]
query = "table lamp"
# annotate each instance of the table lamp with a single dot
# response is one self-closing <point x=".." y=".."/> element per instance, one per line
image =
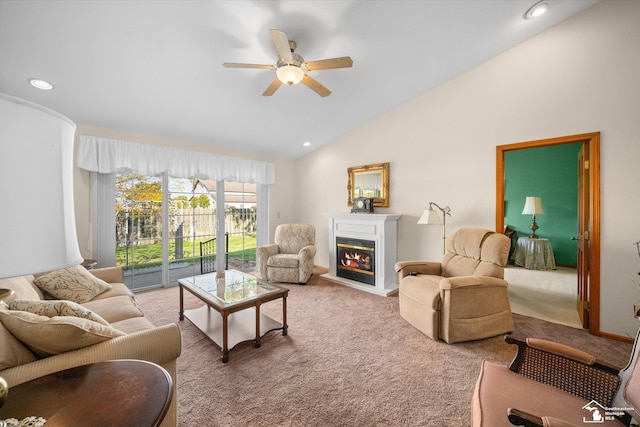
<point x="533" y="206"/>
<point x="430" y="217"/>
<point x="36" y="152"/>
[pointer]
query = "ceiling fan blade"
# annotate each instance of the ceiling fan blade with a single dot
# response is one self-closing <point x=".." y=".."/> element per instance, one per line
<point x="327" y="64"/>
<point x="272" y="87"/>
<point x="281" y="42"/>
<point x="238" y="65"/>
<point x="315" y="86"/>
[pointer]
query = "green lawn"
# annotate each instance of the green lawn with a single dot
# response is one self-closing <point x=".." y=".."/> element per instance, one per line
<point x="148" y="255"/>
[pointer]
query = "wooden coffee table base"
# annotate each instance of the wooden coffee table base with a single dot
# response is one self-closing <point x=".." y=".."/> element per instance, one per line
<point x="232" y="311"/>
<point x="241" y="327"/>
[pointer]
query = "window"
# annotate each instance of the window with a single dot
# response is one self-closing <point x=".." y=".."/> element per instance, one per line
<point x="157" y="233"/>
<point x="139" y="220"/>
<point x="167" y="228"/>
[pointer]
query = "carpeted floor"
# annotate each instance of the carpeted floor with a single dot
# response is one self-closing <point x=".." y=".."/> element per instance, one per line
<point x="349" y="360"/>
<point x="549" y="295"/>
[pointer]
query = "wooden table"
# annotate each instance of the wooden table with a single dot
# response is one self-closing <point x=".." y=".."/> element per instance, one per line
<point x="112" y="393"/>
<point x="237" y="297"/>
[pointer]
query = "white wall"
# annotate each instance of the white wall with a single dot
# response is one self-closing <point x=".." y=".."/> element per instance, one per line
<point x="580" y="76"/>
<point x="280" y="199"/>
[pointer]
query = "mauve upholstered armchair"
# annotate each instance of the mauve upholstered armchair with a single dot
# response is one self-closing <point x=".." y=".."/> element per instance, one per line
<point x="465" y="296"/>
<point x="290" y="258"/>
<point x="549" y="384"/>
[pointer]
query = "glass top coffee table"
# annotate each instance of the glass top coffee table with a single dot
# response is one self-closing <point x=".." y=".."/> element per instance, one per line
<point x="237" y="297"/>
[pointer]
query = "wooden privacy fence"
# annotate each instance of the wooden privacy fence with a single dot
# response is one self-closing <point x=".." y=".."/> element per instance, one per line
<point x="188" y="224"/>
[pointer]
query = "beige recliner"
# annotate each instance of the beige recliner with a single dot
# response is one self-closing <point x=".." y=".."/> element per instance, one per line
<point x="290" y="258"/>
<point x="465" y="296"/>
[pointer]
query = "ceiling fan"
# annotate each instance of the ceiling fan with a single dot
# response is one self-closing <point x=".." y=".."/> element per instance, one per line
<point x="291" y="68"/>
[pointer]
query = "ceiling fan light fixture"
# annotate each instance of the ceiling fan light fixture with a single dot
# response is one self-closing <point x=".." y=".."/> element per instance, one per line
<point x="290" y="74"/>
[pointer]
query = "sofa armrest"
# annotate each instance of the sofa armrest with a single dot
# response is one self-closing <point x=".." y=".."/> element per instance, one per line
<point x="160" y="345"/>
<point x="462" y="282"/>
<point x="404" y="268"/>
<point x="108" y="274"/>
<point x="307" y="253"/>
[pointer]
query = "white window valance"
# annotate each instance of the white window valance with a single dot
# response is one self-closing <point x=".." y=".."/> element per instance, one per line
<point x="107" y="155"/>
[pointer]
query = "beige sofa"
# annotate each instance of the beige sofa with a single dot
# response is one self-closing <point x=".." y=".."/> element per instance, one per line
<point x="136" y="337"/>
<point x="465" y="296"/>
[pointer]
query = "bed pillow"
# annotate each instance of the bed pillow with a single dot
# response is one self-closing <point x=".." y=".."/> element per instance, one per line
<point x="46" y="336"/>
<point x="74" y="284"/>
<point x="51" y="308"/>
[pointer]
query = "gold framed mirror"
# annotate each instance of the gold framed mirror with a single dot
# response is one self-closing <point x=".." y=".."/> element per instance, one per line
<point x="369" y="181"/>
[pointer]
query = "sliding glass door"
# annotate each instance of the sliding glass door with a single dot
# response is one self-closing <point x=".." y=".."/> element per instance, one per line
<point x="168" y="228"/>
<point x="139" y="220"/>
<point x="241" y="221"/>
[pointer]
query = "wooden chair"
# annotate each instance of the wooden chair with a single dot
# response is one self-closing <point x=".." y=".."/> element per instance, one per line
<point x="554" y="385"/>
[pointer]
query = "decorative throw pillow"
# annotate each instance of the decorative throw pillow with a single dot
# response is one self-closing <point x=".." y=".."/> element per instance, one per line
<point x="51" y="308"/>
<point x="48" y="336"/>
<point x="75" y="284"/>
<point x="12" y="352"/>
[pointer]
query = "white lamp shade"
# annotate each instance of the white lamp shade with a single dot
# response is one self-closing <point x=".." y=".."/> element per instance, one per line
<point x="290" y="74"/>
<point x="532" y="206"/>
<point x="36" y="187"/>
<point x="429" y="217"/>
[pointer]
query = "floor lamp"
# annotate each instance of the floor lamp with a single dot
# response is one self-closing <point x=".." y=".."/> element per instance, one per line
<point x="430" y="217"/>
<point x="36" y="151"/>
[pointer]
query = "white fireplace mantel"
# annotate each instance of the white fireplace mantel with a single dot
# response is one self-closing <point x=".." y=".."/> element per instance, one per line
<point x="380" y="228"/>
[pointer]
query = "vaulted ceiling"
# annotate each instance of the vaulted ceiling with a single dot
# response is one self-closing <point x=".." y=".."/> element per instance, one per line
<point x="155" y="67"/>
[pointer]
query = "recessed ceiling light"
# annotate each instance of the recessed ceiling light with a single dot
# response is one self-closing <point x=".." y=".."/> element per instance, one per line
<point x="306" y="144"/>
<point x="40" y="84"/>
<point x="536" y="10"/>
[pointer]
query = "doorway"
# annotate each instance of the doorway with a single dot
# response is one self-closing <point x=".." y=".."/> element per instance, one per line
<point x="588" y="233"/>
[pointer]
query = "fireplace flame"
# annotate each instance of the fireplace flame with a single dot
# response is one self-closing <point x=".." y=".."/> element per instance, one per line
<point x="356" y="260"/>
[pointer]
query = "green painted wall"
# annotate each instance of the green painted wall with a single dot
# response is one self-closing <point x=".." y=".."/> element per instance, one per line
<point x="552" y="174"/>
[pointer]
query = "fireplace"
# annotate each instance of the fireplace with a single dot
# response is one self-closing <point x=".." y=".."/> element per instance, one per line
<point x="380" y="233"/>
<point x="355" y="260"/>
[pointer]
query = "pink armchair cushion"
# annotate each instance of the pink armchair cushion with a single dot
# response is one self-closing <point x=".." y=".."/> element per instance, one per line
<point x="498" y="389"/>
<point x="554" y="422"/>
<point x="632" y="388"/>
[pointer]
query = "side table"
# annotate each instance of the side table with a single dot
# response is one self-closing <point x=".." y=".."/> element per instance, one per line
<point x="111" y="393"/>
<point x="89" y="264"/>
<point x="534" y="254"/>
